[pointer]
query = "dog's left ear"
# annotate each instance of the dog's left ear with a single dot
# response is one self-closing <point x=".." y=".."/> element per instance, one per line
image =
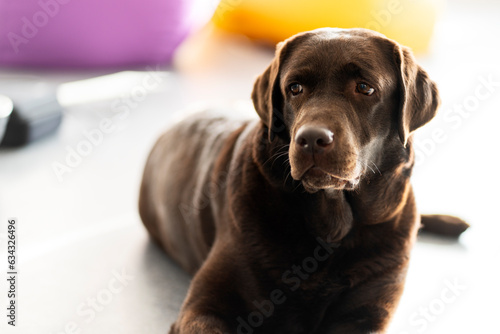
<point x="419" y="94"/>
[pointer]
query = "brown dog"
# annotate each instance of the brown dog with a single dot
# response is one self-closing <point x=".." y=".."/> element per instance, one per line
<point x="302" y="221"/>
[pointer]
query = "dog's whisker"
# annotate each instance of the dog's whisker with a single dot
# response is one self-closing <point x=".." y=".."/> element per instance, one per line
<point x="272" y="165"/>
<point x="368" y="166"/>
<point x="286" y="162"/>
<point x="271" y="157"/>
<point x="277" y="154"/>
<point x="282" y="154"/>
<point x="376" y="168"/>
<point x="297" y="187"/>
<point x="286" y="178"/>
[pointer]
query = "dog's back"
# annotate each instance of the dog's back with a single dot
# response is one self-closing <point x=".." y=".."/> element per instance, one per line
<point x="177" y="194"/>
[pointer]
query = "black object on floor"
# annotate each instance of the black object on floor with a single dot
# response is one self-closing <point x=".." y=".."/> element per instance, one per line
<point x="6" y="107"/>
<point x="36" y="113"/>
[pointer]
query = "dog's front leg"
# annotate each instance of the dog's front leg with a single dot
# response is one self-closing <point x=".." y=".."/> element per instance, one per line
<point x="212" y="303"/>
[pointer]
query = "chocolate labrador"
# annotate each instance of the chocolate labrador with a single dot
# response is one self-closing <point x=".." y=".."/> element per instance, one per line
<point x="301" y="221"/>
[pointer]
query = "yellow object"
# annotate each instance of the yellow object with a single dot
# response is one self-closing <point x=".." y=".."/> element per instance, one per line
<point x="410" y="22"/>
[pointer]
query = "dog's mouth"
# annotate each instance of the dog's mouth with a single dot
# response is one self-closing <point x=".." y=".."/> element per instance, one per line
<point x="316" y="178"/>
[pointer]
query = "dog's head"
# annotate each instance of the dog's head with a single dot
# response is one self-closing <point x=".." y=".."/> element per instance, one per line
<point x="345" y="101"/>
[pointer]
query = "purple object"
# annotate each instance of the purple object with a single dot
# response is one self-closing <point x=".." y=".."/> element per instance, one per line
<point x="92" y="33"/>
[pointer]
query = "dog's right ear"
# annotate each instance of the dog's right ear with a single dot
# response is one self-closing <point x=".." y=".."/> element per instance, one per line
<point x="266" y="95"/>
<point x="267" y="98"/>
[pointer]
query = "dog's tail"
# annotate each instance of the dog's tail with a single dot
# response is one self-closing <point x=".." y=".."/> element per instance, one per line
<point x="448" y="226"/>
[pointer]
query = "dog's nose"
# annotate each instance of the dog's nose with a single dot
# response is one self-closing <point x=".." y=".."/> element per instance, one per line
<point x="314" y="139"/>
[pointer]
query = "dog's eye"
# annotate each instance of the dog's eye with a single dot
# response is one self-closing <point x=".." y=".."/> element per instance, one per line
<point x="296" y="89"/>
<point x="365" y="89"/>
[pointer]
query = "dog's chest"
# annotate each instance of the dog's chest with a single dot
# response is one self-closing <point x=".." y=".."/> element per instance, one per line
<point x="307" y="290"/>
<point x="308" y="274"/>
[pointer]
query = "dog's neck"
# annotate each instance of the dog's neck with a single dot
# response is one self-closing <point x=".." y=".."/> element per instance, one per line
<point x="381" y="196"/>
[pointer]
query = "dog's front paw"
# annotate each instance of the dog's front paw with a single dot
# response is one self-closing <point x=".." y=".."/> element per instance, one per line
<point x="199" y="325"/>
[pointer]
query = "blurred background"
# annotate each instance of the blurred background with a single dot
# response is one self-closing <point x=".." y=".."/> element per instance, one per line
<point x="87" y="87"/>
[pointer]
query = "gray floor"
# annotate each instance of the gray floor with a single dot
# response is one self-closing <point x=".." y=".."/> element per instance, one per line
<point x="87" y="263"/>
